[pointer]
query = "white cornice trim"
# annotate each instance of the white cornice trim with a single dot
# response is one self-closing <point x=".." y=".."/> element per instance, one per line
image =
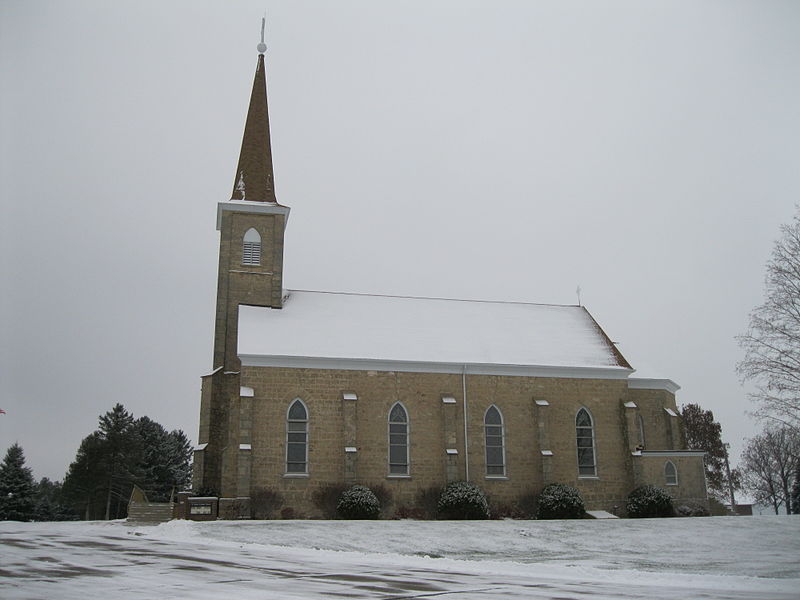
<point x="244" y="206"/>
<point x="369" y="364"/>
<point x="642" y="383"/>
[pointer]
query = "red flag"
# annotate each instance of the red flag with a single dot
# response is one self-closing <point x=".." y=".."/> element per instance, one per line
<point x="2" y="412"/>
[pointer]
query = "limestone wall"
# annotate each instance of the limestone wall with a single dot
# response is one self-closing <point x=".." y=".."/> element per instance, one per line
<point x="436" y="426"/>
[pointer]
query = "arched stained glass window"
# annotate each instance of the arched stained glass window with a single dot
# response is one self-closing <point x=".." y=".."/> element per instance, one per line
<point x="297" y="438"/>
<point x="398" y="440"/>
<point x="584" y="435"/>
<point x="495" y="451"/>
<point x="251" y="248"/>
<point x="670" y="473"/>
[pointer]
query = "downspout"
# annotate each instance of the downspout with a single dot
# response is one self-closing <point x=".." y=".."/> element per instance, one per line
<point x="466" y="442"/>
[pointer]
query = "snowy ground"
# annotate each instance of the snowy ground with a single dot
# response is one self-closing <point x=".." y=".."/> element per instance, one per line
<point x="744" y="557"/>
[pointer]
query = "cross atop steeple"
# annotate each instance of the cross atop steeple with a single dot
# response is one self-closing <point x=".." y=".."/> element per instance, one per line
<point x="254" y="172"/>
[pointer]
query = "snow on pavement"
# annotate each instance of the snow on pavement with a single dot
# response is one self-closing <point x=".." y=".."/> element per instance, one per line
<point x="745" y="557"/>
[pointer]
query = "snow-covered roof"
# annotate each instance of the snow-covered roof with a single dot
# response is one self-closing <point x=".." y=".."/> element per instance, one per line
<point x="348" y="331"/>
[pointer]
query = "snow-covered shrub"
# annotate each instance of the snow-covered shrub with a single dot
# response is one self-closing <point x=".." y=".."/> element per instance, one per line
<point x="560" y="501"/>
<point x="358" y="503"/>
<point x="462" y="500"/>
<point x="649" y="501"/>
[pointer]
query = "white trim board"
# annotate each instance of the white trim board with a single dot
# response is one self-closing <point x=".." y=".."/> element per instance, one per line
<point x="636" y="383"/>
<point x="368" y="364"/>
<point x="675" y="453"/>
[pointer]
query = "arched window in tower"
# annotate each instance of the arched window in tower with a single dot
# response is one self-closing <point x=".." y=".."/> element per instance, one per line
<point x="398" y="440"/>
<point x="495" y="450"/>
<point x="670" y="473"/>
<point x="584" y="435"/>
<point x="297" y="438"/>
<point x="640" y="421"/>
<point x="251" y="248"/>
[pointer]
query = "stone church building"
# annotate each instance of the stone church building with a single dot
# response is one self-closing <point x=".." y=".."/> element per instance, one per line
<point x="312" y="388"/>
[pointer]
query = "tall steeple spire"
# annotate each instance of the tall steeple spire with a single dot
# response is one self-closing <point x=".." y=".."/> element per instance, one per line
<point x="254" y="180"/>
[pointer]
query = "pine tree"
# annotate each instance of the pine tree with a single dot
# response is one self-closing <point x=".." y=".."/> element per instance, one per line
<point x="50" y="504"/>
<point x="125" y="451"/>
<point x="16" y="487"/>
<point x="163" y="460"/>
<point x="119" y="447"/>
<point x="704" y="433"/>
<point x="86" y="478"/>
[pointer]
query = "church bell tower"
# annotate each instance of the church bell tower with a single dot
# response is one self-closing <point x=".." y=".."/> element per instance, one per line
<point x="251" y="226"/>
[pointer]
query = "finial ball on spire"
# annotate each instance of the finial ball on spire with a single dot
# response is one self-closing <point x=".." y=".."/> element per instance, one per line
<point x="262" y="47"/>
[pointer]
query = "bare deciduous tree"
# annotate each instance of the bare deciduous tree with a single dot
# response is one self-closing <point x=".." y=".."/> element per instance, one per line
<point x="769" y="466"/>
<point x="772" y="341"/>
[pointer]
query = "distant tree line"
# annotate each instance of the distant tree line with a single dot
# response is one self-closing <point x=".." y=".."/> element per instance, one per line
<point x="771" y="468"/>
<point x="122" y="452"/>
<point x="22" y="499"/>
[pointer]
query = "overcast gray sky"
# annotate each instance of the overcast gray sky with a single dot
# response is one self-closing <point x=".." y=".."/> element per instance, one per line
<point x="647" y="151"/>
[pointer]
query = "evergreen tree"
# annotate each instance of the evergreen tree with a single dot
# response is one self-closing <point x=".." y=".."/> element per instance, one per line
<point x="86" y="478"/>
<point x="704" y="433"/>
<point x="50" y="505"/>
<point x="125" y="451"/>
<point x="119" y="448"/>
<point x="16" y="487"/>
<point x="163" y="459"/>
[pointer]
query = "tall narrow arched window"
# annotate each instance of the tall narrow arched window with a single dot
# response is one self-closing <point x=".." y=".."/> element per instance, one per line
<point x="640" y="421"/>
<point x="584" y="435"/>
<point x="251" y="248"/>
<point x="670" y="473"/>
<point x="297" y="438"/>
<point x="495" y="451"/>
<point x="398" y="440"/>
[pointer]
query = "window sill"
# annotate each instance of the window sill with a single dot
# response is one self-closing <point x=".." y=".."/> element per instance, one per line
<point x="588" y="477"/>
<point x="295" y="475"/>
<point x="398" y="477"/>
<point x="500" y="477"/>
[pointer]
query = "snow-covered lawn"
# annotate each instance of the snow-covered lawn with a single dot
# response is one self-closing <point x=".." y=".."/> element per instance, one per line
<point x="744" y="557"/>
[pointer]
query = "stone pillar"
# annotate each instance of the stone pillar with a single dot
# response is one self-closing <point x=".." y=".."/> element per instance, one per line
<point x="450" y="437"/>
<point x="540" y="413"/>
<point x="246" y="395"/>
<point x="349" y="406"/>
<point x="631" y="425"/>
<point x="673" y="429"/>
<point x="229" y="397"/>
